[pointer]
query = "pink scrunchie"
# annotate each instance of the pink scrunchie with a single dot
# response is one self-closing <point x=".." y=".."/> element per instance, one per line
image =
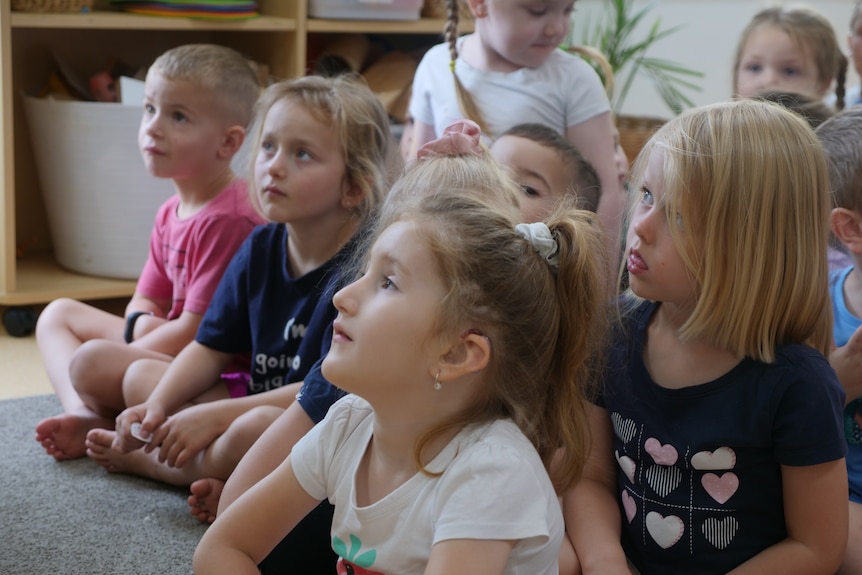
<point x="460" y="138"/>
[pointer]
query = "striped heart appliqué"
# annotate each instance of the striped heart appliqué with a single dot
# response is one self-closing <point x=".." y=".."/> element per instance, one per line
<point x="663" y="479"/>
<point x="720" y="532"/>
<point x="624" y="428"/>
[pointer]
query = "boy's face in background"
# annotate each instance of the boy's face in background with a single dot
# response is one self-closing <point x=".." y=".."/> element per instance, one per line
<point x="181" y="130"/>
<point x="540" y="172"/>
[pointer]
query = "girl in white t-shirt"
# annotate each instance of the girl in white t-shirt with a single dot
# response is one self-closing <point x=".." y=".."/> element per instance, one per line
<point x="510" y="71"/>
<point x="465" y="346"/>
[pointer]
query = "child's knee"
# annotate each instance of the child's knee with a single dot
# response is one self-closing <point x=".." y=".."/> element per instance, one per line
<point x="140" y="378"/>
<point x="55" y="315"/>
<point x="248" y="427"/>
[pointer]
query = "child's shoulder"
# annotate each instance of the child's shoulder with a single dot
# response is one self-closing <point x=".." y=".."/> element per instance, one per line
<point x="233" y="203"/>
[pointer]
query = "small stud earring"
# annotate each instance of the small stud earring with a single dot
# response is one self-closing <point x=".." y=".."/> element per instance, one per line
<point x="437" y="385"/>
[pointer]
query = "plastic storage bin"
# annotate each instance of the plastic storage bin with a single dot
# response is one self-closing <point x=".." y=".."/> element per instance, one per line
<point x="99" y="198"/>
<point x="365" y="9"/>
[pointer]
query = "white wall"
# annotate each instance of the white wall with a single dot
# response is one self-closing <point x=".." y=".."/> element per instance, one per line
<point x="706" y="42"/>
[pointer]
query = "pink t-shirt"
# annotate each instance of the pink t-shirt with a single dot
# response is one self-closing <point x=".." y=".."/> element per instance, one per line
<point x="188" y="256"/>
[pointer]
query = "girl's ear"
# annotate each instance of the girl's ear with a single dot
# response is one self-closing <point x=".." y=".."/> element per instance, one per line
<point x="470" y="354"/>
<point x="351" y="195"/>
<point x="232" y="142"/>
<point x="479" y="8"/>
<point x="847" y="227"/>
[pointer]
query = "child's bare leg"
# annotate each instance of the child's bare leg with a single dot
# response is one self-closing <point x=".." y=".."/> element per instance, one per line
<point x="96" y="373"/>
<point x="203" y="502"/>
<point x="63" y="326"/>
<point x="217" y="461"/>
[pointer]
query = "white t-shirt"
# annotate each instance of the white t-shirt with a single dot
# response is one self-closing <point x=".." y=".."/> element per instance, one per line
<point x="493" y="486"/>
<point x="564" y="91"/>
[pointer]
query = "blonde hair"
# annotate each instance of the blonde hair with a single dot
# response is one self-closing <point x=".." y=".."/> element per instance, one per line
<point x="811" y="33"/>
<point x="229" y="78"/>
<point x="545" y="328"/>
<point x="749" y="182"/>
<point x="358" y="117"/>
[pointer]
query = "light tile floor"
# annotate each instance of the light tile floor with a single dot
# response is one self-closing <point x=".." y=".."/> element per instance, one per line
<point x="21" y="370"/>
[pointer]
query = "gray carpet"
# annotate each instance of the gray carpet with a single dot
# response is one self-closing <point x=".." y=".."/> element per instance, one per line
<point x="74" y="518"/>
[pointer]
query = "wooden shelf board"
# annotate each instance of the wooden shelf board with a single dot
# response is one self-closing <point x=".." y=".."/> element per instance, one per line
<point x="121" y="21"/>
<point x="422" y="26"/>
<point x="40" y="280"/>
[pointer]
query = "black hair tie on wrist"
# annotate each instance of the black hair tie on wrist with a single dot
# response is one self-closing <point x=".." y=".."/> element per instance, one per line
<point x="129" y="334"/>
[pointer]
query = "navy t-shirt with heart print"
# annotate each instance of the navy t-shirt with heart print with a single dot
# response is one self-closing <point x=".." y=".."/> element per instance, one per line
<point x="699" y="468"/>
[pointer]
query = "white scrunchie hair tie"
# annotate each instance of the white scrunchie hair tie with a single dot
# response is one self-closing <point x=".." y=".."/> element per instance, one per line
<point x="543" y="242"/>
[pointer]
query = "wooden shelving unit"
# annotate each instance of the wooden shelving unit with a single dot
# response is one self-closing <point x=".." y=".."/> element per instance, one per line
<point x="279" y="38"/>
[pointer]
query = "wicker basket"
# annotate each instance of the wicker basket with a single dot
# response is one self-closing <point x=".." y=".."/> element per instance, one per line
<point x="635" y="131"/>
<point x="437" y="9"/>
<point x="52" y="5"/>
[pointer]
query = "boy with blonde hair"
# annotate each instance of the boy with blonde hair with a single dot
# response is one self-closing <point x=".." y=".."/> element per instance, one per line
<point x="198" y="102"/>
<point x="841" y="137"/>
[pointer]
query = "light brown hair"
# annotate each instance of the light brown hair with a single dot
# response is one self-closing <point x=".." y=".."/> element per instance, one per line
<point x="223" y="72"/>
<point x="546" y="327"/>
<point x="346" y="102"/>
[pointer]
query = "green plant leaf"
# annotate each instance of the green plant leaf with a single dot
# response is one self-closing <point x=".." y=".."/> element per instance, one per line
<point x="617" y="34"/>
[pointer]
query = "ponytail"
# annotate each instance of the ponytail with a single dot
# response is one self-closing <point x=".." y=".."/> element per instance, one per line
<point x="582" y="292"/>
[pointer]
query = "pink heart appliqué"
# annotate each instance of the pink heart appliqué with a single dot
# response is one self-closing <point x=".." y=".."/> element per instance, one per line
<point x="720" y="488"/>
<point x="661" y="454"/>
<point x="630" y="506"/>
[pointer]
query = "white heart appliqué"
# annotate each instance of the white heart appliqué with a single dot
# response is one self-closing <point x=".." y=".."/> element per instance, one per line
<point x="627" y="464"/>
<point x="666" y="531"/>
<point x="721" y="458"/>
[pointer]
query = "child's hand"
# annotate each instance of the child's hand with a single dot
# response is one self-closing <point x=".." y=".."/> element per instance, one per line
<point x="847" y="363"/>
<point x="146" y="420"/>
<point x="188" y="432"/>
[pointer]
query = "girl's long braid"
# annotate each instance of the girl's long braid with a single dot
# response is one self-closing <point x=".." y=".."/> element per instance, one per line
<point x="465" y="99"/>
<point x="840" y="82"/>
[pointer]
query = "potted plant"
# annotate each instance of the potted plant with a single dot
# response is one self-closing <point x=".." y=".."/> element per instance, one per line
<point x="619" y="36"/>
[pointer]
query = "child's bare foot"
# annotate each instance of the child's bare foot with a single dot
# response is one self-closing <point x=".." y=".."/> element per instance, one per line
<point x="203" y="502"/>
<point x="100" y="449"/>
<point x="63" y="436"/>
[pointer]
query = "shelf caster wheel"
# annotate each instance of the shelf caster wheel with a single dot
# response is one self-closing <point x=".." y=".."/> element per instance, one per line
<point x="19" y="321"/>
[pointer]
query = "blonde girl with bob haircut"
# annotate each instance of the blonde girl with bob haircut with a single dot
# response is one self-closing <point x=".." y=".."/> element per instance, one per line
<point x="718" y="438"/>
<point x="439" y="460"/>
